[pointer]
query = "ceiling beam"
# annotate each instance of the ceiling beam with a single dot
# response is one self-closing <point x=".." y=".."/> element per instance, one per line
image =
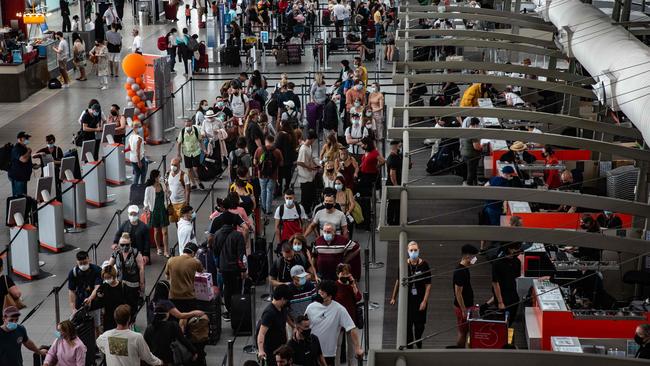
<point x="479" y="43"/>
<point x="505" y="18"/>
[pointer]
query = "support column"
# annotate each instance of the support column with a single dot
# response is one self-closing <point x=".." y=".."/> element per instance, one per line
<point x="616" y="10"/>
<point x="402" y="297"/>
<point x="625" y="13"/>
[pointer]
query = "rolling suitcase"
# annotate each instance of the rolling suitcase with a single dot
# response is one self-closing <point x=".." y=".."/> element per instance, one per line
<point x="336" y="43"/>
<point x="136" y="194"/>
<point x="213" y="310"/>
<point x="240" y="311"/>
<point x="294" y="54"/>
<point x="38" y="359"/>
<point x="282" y="56"/>
<point x="85" y="327"/>
<point x="314" y="112"/>
<point x="170" y="11"/>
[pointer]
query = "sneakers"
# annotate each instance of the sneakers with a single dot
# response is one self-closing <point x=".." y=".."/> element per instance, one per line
<point x="225" y="316"/>
<point x="103" y="87"/>
<point x="201" y="186"/>
<point x="65" y="86"/>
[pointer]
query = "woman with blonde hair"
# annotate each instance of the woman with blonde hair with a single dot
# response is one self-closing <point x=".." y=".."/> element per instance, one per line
<point x="67" y="349"/>
<point x="347" y="167"/>
<point x="331" y="148"/>
<point x="329" y="174"/>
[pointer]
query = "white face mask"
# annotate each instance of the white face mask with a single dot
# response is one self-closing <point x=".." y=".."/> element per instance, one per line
<point x="174" y="168"/>
<point x="371" y="89"/>
<point x="133" y="219"/>
<point x="473" y="260"/>
<point x="84" y="267"/>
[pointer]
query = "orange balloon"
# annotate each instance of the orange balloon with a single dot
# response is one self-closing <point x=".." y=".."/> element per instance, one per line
<point x="130" y="92"/>
<point x="138" y="81"/>
<point x="134" y="65"/>
<point x="136" y="99"/>
<point x="127" y="86"/>
<point x="141" y="105"/>
<point x="143" y="110"/>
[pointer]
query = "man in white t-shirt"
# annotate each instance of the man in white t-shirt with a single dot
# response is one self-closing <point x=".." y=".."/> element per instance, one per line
<point x="340" y="14"/>
<point x="185" y="230"/>
<point x="289" y="217"/>
<point x="62" y="52"/>
<point x="122" y="346"/>
<point x="239" y="104"/>
<point x="178" y="183"/>
<point x="307" y="168"/>
<point x="110" y="16"/>
<point x="327" y="318"/>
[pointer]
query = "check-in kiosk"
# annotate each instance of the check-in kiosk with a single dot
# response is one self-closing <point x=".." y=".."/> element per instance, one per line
<point x="74" y="199"/>
<point x="24" y="249"/>
<point x="50" y="217"/>
<point x="94" y="172"/>
<point x="114" y="153"/>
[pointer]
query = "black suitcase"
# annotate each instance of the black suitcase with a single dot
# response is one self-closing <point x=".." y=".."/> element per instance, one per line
<point x="136" y="194"/>
<point x="336" y="43"/>
<point x="258" y="267"/>
<point x="232" y="56"/>
<point x="240" y="312"/>
<point x="38" y="359"/>
<point x="213" y="310"/>
<point x="85" y="327"/>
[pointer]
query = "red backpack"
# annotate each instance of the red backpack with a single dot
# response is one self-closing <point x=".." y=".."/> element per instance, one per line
<point x="162" y="43"/>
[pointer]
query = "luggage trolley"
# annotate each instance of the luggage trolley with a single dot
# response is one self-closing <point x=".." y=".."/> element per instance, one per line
<point x="489" y="331"/>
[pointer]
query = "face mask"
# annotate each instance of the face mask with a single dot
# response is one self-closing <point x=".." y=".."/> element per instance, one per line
<point x="108" y="281"/>
<point x="26" y="142"/>
<point x="12" y="325"/>
<point x="297" y="247"/>
<point x="339" y="187"/>
<point x="359" y="87"/>
<point x="473" y="260"/>
<point x="133" y="219"/>
<point x="193" y="216"/>
<point x="84" y="267"/>
<point x="371" y="89"/>
<point x="125" y="248"/>
<point x="289" y="203"/>
<point x="220" y="104"/>
<point x="414" y="255"/>
<point x="330" y="170"/>
<point x="204" y="106"/>
<point x="368" y="125"/>
<point x="318" y="298"/>
<point x="356" y="121"/>
<point x="57" y="334"/>
<point x="329" y="206"/>
<point x="328" y="236"/>
<point x="174" y="168"/>
<point x="50" y="146"/>
<point x="302" y="281"/>
<point x="188" y="129"/>
<point x="638" y="339"/>
<point x="140" y="131"/>
<point x="114" y="113"/>
<point x="306" y="333"/>
<point x="357" y="104"/>
<point x="369" y="114"/>
<point x="345" y="280"/>
<point x="95" y="114"/>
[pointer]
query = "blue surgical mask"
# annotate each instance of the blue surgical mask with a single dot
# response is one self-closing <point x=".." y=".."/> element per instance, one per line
<point x="26" y="142"/>
<point x="302" y="281"/>
<point x="12" y="325"/>
<point x="297" y="248"/>
<point x="414" y="255"/>
<point x="57" y="334"/>
<point x="193" y="215"/>
<point x="338" y="187"/>
<point x="51" y="146"/>
<point x="95" y="114"/>
<point x="328" y="236"/>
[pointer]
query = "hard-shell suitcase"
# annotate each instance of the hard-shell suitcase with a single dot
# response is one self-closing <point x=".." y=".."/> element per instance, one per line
<point x="294" y="53"/>
<point x="314" y="113"/>
<point x="85" y="327"/>
<point x="136" y="194"/>
<point x="170" y="11"/>
<point x="240" y="312"/>
<point x="282" y="56"/>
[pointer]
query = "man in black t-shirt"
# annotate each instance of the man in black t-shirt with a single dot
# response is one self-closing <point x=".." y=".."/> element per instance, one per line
<point x="306" y="346"/>
<point x="272" y="329"/>
<point x="21" y="165"/>
<point x="91" y="123"/>
<point x="394" y="168"/>
<point x="83" y="279"/>
<point x="504" y="280"/>
<point x="463" y="293"/>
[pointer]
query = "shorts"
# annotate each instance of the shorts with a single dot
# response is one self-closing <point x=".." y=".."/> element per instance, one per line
<point x="63" y="65"/>
<point x="113" y="57"/>
<point x="461" y="319"/>
<point x="192" y="161"/>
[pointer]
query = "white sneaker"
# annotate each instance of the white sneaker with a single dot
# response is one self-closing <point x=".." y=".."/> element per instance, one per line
<point x="104" y="87"/>
<point x="65" y="86"/>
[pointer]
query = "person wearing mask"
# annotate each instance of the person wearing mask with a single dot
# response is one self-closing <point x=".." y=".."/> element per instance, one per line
<point x="245" y="198"/>
<point x="229" y="213"/>
<point x="327" y="318"/>
<point x="348" y="295"/>
<point x="114" y="45"/>
<point x="136" y="46"/>
<point x="155" y="207"/>
<point x="290" y="115"/>
<point x="362" y="72"/>
<point x="20" y="169"/>
<point x="130" y="268"/>
<point x="52" y="150"/>
<point x="376" y="104"/>
<point x="331" y="148"/>
<point x="347" y="167"/>
<point x="229" y="245"/>
<point x="474" y="93"/>
<point x="470" y="151"/>
<point x="307" y="169"/>
<point x="171" y="49"/>
<point x="137" y="154"/>
<point x="76" y="27"/>
<point x="355" y="97"/>
<point x="329" y="215"/>
<point x="369" y="169"/>
<point x="101" y="54"/>
<point x="83" y="280"/>
<point x="160" y="334"/>
<point x="185" y="228"/>
<point x="588" y="224"/>
<point x="178" y="183"/>
<point x="62" y="52"/>
<point x="108" y="296"/>
<point x="303" y="291"/>
<point x="253" y="135"/>
<point x="551" y="176"/>
<point x="353" y="136"/>
<point x="267" y="160"/>
<point x="79" y="55"/>
<point x="239" y="103"/>
<point x="12" y="337"/>
<point x="91" y="125"/>
<point x="120" y="124"/>
<point x="67" y="349"/>
<point x="332" y="115"/>
<point x="642" y="338"/>
<point x="394" y="168"/>
<point x="517" y="154"/>
<point x="138" y="233"/>
<point x="345" y="199"/>
<point x="272" y="330"/>
<point x="189" y="147"/>
<point x="463" y="293"/>
<point x="288" y="95"/>
<point x="122" y="346"/>
<point x="180" y="272"/>
<point x="289" y="217"/>
<point x="280" y="273"/>
<point x="608" y="220"/>
<point x="329" y="174"/>
<point x="306" y="346"/>
<point x="504" y="280"/>
<point x="419" y="288"/>
<point x="330" y="250"/>
<point x="494" y="209"/>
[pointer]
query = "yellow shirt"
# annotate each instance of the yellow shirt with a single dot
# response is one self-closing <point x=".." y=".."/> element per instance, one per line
<point x="364" y="76"/>
<point x="377" y="17"/>
<point x="471" y="96"/>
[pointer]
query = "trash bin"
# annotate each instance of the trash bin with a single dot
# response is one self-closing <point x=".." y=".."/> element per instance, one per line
<point x="143" y="13"/>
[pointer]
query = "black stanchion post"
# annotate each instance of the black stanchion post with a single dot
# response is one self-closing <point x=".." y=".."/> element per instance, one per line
<point x="373" y="225"/>
<point x="366" y="301"/>
<point x="164" y="165"/>
<point x="252" y="348"/>
<point x="93" y="246"/>
<point x="231" y="352"/>
<point x="57" y="305"/>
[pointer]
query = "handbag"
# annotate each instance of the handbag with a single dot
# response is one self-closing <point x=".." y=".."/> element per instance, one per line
<point x="9" y="300"/>
<point x="94" y="59"/>
<point x="357" y="213"/>
<point x="180" y="353"/>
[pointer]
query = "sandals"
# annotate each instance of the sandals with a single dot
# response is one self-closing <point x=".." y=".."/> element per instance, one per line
<point x="160" y="252"/>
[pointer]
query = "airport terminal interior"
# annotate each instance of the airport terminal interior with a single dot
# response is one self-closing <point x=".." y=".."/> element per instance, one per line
<point x="311" y="182"/>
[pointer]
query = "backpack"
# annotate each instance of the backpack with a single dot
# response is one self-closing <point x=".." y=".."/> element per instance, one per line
<point x="292" y="120"/>
<point x="198" y="329"/>
<point x="236" y="162"/>
<point x="162" y="43"/>
<point x="193" y="45"/>
<point x="54" y="84"/>
<point x="5" y="156"/>
<point x="267" y="163"/>
<point x="196" y="132"/>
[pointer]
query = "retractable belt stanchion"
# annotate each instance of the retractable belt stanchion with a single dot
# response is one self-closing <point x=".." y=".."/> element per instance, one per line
<point x="74" y="202"/>
<point x="50" y="218"/>
<point x="24" y="250"/>
<point x="115" y="168"/>
<point x="95" y="178"/>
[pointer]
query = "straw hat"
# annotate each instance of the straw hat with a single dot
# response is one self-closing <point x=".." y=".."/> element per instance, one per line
<point x="518" y="146"/>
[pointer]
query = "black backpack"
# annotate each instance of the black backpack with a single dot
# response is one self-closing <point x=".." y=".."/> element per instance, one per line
<point x="5" y="156"/>
<point x="235" y="164"/>
<point x="298" y="209"/>
<point x="267" y="163"/>
<point x="292" y="119"/>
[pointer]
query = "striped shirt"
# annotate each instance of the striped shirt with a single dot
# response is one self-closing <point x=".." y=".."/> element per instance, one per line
<point x="301" y="297"/>
<point x="329" y="255"/>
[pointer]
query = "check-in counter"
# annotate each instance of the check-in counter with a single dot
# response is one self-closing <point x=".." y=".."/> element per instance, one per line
<point x="20" y="81"/>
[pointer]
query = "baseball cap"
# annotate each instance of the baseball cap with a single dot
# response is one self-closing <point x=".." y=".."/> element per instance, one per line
<point x="133" y="208"/>
<point x="298" y="271"/>
<point x="11" y="311"/>
<point x="23" y="135"/>
<point x="191" y="246"/>
<point x="508" y="170"/>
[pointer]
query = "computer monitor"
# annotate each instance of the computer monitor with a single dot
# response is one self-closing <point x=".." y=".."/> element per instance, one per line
<point x="43" y="184"/>
<point x="88" y="147"/>
<point x="109" y="129"/>
<point x="67" y="164"/>
<point x="18" y="205"/>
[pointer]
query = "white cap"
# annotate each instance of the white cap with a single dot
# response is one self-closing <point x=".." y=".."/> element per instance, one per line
<point x="132" y="209"/>
<point x="289" y="104"/>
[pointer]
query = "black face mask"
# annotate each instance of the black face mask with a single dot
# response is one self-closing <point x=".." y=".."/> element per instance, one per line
<point x="329" y="206"/>
<point x="330" y="170"/>
<point x="638" y="339"/>
<point x="318" y="298"/>
<point x="306" y="334"/>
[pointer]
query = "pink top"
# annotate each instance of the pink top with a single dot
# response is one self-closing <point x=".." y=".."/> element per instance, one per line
<point x="238" y="211"/>
<point x="62" y="353"/>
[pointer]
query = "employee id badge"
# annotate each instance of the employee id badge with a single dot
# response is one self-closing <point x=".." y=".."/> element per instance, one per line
<point x="414" y="291"/>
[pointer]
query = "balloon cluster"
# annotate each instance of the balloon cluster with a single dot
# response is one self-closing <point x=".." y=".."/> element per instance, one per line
<point x="134" y="66"/>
